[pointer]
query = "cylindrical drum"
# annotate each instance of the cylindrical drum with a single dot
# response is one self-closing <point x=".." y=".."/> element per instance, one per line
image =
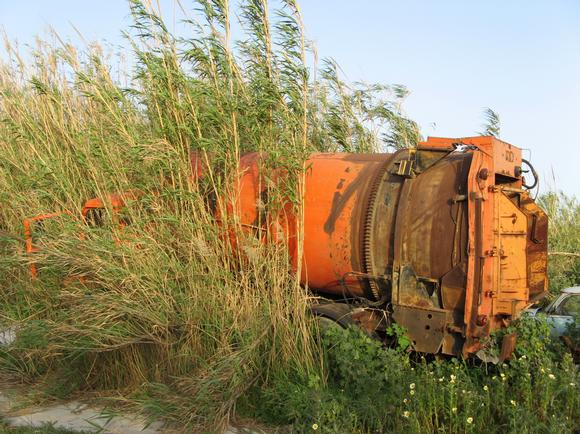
<point x="338" y="192"/>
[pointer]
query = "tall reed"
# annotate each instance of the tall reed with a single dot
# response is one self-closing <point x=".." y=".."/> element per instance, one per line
<point x="171" y="317"/>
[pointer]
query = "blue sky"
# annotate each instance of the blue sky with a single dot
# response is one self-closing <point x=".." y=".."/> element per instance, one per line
<point x="521" y="58"/>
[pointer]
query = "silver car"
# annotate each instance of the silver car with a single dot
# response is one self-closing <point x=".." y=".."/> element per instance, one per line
<point x="561" y="314"/>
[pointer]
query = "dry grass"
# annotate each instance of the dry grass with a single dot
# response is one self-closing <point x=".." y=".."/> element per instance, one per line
<point x="173" y="317"/>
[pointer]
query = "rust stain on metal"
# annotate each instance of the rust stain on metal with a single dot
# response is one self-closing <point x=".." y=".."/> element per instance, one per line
<point x="339" y="201"/>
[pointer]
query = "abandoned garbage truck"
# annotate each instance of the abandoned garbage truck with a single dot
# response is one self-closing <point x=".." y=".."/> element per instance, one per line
<point x="442" y="239"/>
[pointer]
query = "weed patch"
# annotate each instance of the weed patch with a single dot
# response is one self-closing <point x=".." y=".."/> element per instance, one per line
<point x="371" y="389"/>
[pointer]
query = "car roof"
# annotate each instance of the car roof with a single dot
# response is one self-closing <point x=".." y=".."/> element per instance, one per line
<point x="572" y="290"/>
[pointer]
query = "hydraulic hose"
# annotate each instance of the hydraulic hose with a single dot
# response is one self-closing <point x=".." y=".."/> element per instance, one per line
<point x="534" y="173"/>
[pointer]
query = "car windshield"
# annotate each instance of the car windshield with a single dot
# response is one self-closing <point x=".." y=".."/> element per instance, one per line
<point x="570" y="306"/>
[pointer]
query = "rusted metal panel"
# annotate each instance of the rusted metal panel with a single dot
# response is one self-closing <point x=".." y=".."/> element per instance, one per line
<point x="536" y="248"/>
<point x="427" y="228"/>
<point x="508" y="345"/>
<point x="511" y="294"/>
<point x="379" y="233"/>
<point x="425" y="327"/>
<point x="430" y="258"/>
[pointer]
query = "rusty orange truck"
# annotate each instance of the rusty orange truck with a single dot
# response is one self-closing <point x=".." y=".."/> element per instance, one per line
<point x="443" y="239"/>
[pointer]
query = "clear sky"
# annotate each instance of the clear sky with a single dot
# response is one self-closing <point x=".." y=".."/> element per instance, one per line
<point x="519" y="57"/>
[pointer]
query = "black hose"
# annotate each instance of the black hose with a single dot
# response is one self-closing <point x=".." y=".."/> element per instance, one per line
<point x="534" y="173"/>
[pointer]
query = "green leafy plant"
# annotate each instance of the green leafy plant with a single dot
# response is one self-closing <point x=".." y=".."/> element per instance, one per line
<point x="401" y="339"/>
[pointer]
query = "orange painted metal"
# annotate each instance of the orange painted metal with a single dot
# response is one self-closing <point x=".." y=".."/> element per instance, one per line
<point x="507" y="263"/>
<point x="502" y="156"/>
<point x="335" y="197"/>
<point x="117" y="201"/>
<point x="445" y="234"/>
<point x="442" y="238"/>
<point x="335" y="191"/>
<point x="29" y="224"/>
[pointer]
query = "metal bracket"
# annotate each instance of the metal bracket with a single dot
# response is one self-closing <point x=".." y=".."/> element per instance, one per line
<point x="405" y="168"/>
